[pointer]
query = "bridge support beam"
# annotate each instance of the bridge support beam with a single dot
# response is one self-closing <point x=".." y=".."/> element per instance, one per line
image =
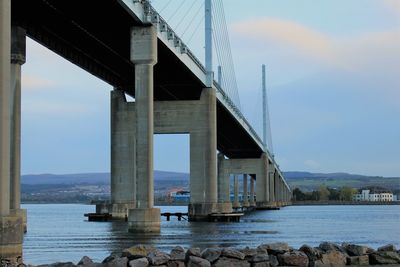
<point x="245" y="192"/>
<point x="144" y="218"/>
<point x="11" y="227"/>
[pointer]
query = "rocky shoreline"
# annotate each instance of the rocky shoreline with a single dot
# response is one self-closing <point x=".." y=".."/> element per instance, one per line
<point x="266" y="255"/>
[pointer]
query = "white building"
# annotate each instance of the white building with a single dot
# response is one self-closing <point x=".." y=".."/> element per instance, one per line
<point x="367" y="195"/>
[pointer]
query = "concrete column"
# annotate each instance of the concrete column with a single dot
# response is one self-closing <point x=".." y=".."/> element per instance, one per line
<point x="18" y="52"/>
<point x="276" y="181"/>
<point x="287" y="196"/>
<point x="245" y="192"/>
<point x="267" y="183"/>
<point x="236" y="203"/>
<point x="145" y="218"/>
<point x="252" y="198"/>
<point x="262" y="186"/>
<point x="277" y="190"/>
<point x="271" y="175"/>
<point x="17" y="60"/>
<point x="281" y="190"/>
<point x="284" y="195"/>
<point x="11" y="227"/>
<point x="5" y="126"/>
<point x="123" y="157"/>
<point x="144" y="131"/>
<point x="203" y="160"/>
<point x="224" y="201"/>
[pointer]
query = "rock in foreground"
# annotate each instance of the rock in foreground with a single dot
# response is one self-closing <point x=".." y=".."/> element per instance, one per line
<point x="266" y="255"/>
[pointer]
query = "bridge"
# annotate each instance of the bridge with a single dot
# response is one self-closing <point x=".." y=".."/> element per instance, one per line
<point x="127" y="44"/>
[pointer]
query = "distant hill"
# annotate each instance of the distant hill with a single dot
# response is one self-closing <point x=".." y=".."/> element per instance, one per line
<point x="307" y="181"/>
<point x="92" y="178"/>
<point x="304" y="180"/>
<point x="342" y="175"/>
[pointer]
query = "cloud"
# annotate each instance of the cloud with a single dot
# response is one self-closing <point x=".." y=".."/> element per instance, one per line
<point x="30" y="82"/>
<point x="306" y="41"/>
<point x="312" y="164"/>
<point x="53" y="108"/>
<point x="348" y="53"/>
<point x="393" y="6"/>
<point x="373" y="58"/>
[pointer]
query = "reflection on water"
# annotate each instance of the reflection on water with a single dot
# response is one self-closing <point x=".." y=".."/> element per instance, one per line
<point x="61" y="233"/>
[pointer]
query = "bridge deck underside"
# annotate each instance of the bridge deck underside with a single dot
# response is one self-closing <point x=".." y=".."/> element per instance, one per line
<point x="96" y="37"/>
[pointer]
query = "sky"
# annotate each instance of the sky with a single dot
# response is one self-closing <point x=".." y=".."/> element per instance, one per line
<point x="333" y="71"/>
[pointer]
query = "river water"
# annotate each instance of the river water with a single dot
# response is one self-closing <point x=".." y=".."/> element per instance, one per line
<point x="60" y="232"/>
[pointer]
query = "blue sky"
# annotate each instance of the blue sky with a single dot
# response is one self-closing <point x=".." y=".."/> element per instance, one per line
<point x="333" y="82"/>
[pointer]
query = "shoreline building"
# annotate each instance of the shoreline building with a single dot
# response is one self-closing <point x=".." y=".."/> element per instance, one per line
<point x="378" y="195"/>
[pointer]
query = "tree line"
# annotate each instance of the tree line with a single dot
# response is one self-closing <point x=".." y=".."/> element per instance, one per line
<point x="324" y="194"/>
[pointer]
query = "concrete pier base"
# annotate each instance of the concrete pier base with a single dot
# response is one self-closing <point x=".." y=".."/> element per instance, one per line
<point x="11" y="236"/>
<point x="267" y="206"/>
<point x="22" y="213"/>
<point x="144" y="220"/>
<point x="199" y="212"/>
<point x="118" y="211"/>
<point x="224" y="207"/>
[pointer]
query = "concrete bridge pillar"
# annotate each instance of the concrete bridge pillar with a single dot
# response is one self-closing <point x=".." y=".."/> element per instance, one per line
<point x="252" y="196"/>
<point x="262" y="182"/>
<point x="224" y="201"/>
<point x="18" y="55"/>
<point x="271" y="184"/>
<point x="287" y="196"/>
<point x="203" y="160"/>
<point x="276" y="188"/>
<point x="5" y="123"/>
<point x="123" y="157"/>
<point x="144" y="218"/>
<point x="280" y="190"/>
<point x="11" y="227"/>
<point x="245" y="192"/>
<point x="236" y="203"/>
<point x="271" y="175"/>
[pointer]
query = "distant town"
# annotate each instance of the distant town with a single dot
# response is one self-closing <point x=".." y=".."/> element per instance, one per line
<point x="173" y="188"/>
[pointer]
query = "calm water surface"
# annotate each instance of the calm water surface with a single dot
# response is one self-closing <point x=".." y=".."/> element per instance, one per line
<point x="62" y="233"/>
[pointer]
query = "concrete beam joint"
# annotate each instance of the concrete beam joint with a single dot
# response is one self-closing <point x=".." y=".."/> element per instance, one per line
<point x="144" y="45"/>
<point x="18" y="45"/>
